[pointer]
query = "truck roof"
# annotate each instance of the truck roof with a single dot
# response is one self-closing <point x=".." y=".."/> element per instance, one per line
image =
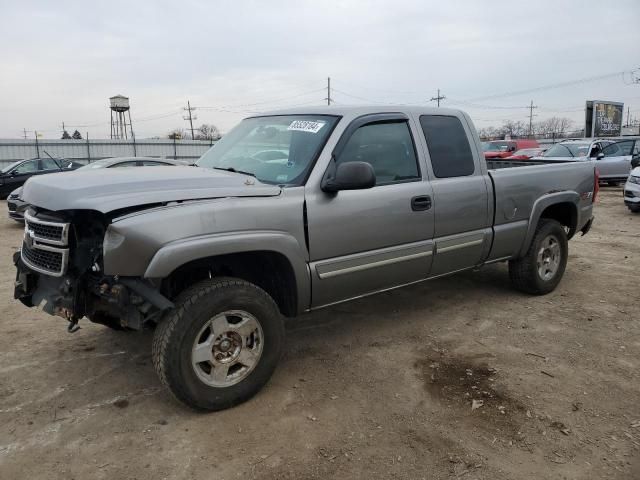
<point x="356" y="110"/>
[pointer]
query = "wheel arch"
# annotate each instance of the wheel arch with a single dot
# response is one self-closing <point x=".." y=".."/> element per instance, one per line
<point x="561" y="206"/>
<point x="273" y="261"/>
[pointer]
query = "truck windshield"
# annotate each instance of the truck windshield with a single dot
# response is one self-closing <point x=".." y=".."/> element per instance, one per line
<point x="496" y="146"/>
<point x="568" y="150"/>
<point x="275" y="149"/>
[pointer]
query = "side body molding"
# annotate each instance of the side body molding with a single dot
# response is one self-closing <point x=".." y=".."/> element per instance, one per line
<point x="540" y="205"/>
<point x="177" y="253"/>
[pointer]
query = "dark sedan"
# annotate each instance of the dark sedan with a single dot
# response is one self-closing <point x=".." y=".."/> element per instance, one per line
<point x="14" y="175"/>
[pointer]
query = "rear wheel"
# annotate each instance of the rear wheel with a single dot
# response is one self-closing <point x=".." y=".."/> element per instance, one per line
<point x="542" y="267"/>
<point x="220" y="344"/>
<point x="635" y="209"/>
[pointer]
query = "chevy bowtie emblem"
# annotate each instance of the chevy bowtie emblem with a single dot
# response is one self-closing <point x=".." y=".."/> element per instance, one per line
<point x="249" y="181"/>
<point x="28" y="238"/>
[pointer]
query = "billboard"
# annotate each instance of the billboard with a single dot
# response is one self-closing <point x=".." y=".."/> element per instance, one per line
<point x="603" y="119"/>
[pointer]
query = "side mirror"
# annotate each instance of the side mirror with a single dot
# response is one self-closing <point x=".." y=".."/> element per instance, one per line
<point x="13" y="172"/>
<point x="349" y="176"/>
<point x="600" y="156"/>
<point x="635" y="161"/>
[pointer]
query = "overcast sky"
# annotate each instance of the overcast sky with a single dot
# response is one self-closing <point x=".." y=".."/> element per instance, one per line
<point x="61" y="61"/>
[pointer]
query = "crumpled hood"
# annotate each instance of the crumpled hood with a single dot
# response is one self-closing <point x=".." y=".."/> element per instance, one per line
<point x="106" y="190"/>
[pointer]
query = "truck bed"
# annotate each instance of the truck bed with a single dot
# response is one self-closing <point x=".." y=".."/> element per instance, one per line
<point x="498" y="163"/>
<point x="517" y="190"/>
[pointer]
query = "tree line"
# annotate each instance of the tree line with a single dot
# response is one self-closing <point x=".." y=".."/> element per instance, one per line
<point x="206" y="131"/>
<point x="75" y="136"/>
<point x="554" y="127"/>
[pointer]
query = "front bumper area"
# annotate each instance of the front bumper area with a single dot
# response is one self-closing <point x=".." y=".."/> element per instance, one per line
<point x="125" y="303"/>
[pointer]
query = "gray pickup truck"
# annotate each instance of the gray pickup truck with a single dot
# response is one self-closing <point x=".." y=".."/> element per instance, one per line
<point x="290" y="212"/>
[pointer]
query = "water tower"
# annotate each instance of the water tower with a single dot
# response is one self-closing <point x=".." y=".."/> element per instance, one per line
<point x="119" y="106"/>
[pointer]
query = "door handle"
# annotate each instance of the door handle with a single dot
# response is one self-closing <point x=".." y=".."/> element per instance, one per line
<point x="423" y="202"/>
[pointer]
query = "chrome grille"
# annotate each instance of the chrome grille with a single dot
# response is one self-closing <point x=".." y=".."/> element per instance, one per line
<point x="49" y="260"/>
<point x="54" y="233"/>
<point x="45" y="246"/>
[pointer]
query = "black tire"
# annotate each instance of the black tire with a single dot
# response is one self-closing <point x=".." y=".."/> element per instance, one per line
<point x="524" y="273"/>
<point x="634" y="209"/>
<point x="175" y="336"/>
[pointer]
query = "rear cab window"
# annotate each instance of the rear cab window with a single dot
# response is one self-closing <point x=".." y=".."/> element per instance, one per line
<point x="448" y="145"/>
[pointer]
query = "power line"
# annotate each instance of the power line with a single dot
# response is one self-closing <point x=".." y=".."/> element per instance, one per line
<point x="548" y="87"/>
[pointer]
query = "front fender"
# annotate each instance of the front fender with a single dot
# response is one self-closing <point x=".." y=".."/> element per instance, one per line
<point x="175" y="254"/>
<point x="540" y="205"/>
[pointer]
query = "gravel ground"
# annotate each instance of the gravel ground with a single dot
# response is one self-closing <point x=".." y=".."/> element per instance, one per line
<point x="378" y="388"/>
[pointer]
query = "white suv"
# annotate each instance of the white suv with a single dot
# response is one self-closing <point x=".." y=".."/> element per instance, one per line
<point x="632" y="187"/>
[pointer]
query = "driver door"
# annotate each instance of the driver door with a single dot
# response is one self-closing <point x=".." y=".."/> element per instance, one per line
<point x="363" y="241"/>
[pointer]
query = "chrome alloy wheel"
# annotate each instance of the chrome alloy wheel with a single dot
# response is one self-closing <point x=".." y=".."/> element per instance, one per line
<point x="549" y="256"/>
<point x="227" y="348"/>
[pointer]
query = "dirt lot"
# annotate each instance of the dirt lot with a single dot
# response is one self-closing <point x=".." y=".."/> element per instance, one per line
<point x="378" y="388"/>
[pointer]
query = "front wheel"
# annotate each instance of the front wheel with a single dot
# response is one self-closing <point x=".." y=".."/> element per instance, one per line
<point x="219" y="345"/>
<point x="542" y="267"/>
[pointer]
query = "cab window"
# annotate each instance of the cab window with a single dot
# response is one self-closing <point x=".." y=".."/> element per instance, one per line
<point x="387" y="147"/>
<point x="448" y="146"/>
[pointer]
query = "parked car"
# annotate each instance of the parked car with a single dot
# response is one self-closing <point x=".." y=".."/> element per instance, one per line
<point x="14" y="175"/>
<point x="506" y="148"/>
<point x="17" y="206"/>
<point x="217" y="255"/>
<point x="614" y="159"/>
<point x="527" y="153"/>
<point x="632" y="190"/>
<point x="119" y="162"/>
<point x="612" y="155"/>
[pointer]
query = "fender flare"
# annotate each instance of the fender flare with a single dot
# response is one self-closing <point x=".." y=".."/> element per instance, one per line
<point x="539" y="206"/>
<point x="175" y="254"/>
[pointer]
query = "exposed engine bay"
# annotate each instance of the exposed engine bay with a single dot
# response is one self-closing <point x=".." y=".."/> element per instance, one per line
<point x="59" y="269"/>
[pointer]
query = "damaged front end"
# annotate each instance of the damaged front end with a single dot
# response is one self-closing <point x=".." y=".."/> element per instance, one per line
<point x="59" y="269"/>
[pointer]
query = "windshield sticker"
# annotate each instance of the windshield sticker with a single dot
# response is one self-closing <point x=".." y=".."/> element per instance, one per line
<point x="282" y="178"/>
<point x="306" y="126"/>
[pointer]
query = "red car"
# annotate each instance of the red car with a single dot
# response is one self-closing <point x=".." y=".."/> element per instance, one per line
<point x="527" y="153"/>
<point x="506" y="148"/>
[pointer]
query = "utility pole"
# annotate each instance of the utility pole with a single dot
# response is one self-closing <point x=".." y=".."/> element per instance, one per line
<point x="628" y="124"/>
<point x="531" y="108"/>
<point x="438" y="98"/>
<point x="25" y="133"/>
<point x="190" y="117"/>
<point x="37" y="144"/>
<point x="328" y="99"/>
